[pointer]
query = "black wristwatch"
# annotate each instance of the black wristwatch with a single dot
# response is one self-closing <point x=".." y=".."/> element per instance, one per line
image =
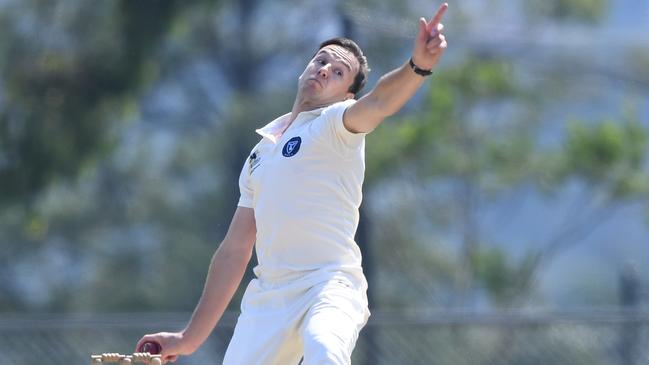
<point x="419" y="71"/>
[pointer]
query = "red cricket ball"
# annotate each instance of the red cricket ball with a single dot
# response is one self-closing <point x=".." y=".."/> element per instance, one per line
<point x="151" y="347"/>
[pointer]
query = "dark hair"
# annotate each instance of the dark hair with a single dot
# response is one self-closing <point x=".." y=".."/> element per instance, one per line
<point x="361" y="77"/>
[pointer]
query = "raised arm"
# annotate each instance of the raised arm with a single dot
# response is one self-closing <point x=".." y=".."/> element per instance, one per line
<point x="225" y="273"/>
<point x="395" y="88"/>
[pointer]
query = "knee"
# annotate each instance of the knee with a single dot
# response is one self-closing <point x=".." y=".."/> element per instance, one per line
<point x="326" y="349"/>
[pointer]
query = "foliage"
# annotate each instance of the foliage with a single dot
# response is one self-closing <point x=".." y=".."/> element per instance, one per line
<point x="476" y="141"/>
<point x="63" y="92"/>
<point x="504" y="279"/>
<point x="589" y="11"/>
<point x="610" y="153"/>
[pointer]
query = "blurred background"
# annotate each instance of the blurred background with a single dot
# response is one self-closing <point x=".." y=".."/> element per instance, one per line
<point x="505" y="217"/>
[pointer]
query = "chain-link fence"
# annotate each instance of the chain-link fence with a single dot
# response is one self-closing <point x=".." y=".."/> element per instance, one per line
<point x="589" y="338"/>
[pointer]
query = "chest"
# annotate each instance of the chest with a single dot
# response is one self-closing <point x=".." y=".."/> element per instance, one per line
<point x="299" y="157"/>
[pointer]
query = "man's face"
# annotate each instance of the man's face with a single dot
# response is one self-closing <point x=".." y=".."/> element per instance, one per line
<point x="329" y="75"/>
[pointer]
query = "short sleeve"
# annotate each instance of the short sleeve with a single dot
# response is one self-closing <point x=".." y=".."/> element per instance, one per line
<point x="245" y="187"/>
<point x="333" y="129"/>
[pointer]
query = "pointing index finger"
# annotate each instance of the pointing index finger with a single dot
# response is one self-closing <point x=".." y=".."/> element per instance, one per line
<point x="438" y="17"/>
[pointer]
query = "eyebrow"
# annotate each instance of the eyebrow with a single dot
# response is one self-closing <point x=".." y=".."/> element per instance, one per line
<point x="343" y="61"/>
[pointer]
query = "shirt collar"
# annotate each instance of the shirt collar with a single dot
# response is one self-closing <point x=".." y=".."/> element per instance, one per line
<point x="275" y="129"/>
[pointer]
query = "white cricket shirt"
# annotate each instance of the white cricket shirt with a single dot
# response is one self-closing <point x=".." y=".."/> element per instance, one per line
<point x="305" y="188"/>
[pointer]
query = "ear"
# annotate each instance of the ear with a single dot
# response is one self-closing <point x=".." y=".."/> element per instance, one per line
<point x="349" y="96"/>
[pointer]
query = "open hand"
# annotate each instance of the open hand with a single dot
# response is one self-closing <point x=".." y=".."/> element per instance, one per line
<point x="430" y="43"/>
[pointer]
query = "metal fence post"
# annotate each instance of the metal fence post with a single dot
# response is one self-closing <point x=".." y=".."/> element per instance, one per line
<point x="629" y="330"/>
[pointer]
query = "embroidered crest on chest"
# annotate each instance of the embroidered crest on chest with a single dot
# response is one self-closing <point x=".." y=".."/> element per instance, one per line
<point x="292" y="147"/>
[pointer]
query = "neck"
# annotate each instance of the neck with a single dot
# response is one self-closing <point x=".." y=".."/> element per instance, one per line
<point x="301" y="105"/>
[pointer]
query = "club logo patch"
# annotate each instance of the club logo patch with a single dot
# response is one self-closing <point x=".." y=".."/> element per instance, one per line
<point x="253" y="161"/>
<point x="292" y="147"/>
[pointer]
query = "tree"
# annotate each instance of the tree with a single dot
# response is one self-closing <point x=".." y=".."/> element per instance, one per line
<point x="62" y="91"/>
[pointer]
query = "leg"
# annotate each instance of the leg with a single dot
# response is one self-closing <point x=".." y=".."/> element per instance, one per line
<point x="263" y="341"/>
<point x="332" y="324"/>
<point x="267" y="329"/>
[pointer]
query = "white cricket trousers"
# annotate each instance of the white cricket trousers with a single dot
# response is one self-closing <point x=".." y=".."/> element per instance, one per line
<point x="279" y="325"/>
